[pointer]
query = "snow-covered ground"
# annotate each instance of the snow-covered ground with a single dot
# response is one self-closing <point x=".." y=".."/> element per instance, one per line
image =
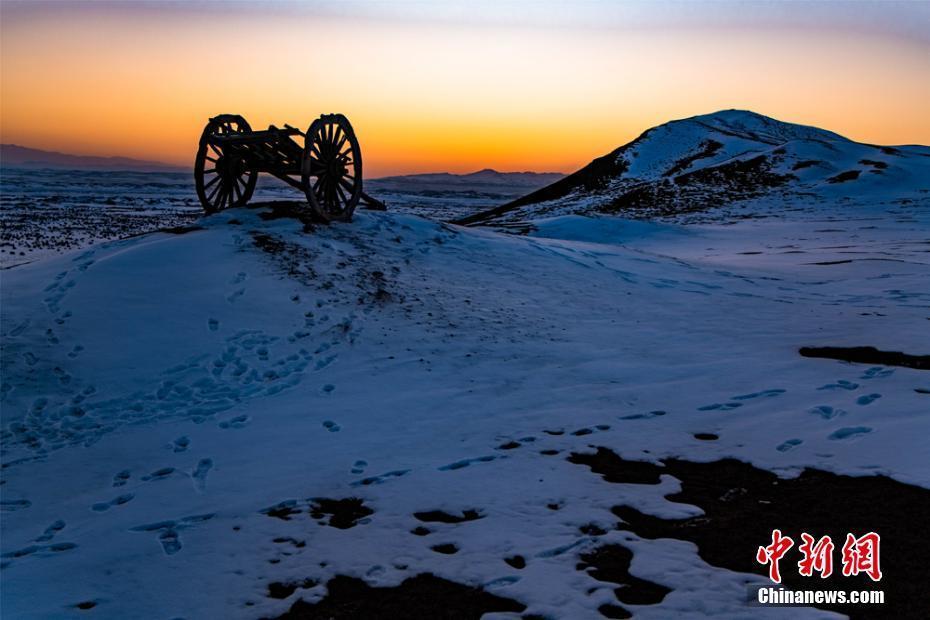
<point x="163" y="394"/>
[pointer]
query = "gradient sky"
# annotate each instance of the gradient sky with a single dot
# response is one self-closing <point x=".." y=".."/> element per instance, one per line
<point x="454" y="86"/>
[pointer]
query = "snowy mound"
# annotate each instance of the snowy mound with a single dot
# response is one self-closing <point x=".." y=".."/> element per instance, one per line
<point x="239" y="418"/>
<point x="732" y="158"/>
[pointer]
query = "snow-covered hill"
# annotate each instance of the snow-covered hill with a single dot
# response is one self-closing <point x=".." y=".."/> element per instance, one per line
<point x="215" y="423"/>
<point x="734" y="159"/>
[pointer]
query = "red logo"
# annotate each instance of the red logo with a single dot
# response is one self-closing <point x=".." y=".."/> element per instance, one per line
<point x="817" y="556"/>
<point x="773" y="553"/>
<point x="860" y="555"/>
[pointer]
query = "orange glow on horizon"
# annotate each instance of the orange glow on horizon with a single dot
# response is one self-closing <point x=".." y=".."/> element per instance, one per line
<point x="431" y="96"/>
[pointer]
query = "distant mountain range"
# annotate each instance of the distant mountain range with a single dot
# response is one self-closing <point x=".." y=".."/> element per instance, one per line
<point x="17" y="156"/>
<point x="506" y="184"/>
<point x="503" y="184"/>
<point x="726" y="158"/>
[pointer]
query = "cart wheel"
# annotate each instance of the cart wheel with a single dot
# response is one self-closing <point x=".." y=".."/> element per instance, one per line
<point x="332" y="168"/>
<point x="222" y="178"/>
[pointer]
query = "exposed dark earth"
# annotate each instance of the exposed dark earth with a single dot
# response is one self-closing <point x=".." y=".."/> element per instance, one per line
<point x="869" y="355"/>
<point x="743" y="504"/>
<point x="417" y="598"/>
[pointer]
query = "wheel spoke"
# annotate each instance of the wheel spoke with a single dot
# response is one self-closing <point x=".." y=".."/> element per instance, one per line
<point x="218" y="202"/>
<point x="212" y="181"/>
<point x="347" y="185"/>
<point x="330" y="198"/>
<point x="341" y="142"/>
<point x="345" y="200"/>
<point x="216" y="189"/>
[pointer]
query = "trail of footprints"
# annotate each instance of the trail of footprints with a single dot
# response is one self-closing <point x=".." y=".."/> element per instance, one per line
<point x="43" y="545"/>
<point x="199" y="389"/>
<point x="168" y="533"/>
<point x="824" y="411"/>
<point x="251" y="364"/>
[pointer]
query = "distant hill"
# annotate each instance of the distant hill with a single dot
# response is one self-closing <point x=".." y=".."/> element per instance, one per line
<point x="13" y="155"/>
<point x="487" y="180"/>
<point x="726" y="158"/>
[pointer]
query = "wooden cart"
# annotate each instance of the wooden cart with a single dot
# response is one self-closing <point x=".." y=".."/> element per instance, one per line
<point x="327" y="168"/>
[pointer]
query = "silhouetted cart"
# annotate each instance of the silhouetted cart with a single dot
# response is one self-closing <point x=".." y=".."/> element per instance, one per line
<point x="327" y="168"/>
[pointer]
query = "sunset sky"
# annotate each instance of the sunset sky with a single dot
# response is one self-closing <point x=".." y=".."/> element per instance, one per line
<point x="455" y="86"/>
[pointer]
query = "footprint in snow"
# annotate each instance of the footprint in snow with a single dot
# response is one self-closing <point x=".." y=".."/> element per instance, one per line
<point x="199" y="474"/>
<point x="841" y="384"/>
<point x="331" y="426"/>
<point x="848" y="432"/>
<point x="326" y="361"/>
<point x="510" y="445"/>
<point x="468" y="462"/>
<point x="720" y="407"/>
<point x="181" y="444"/>
<point x="867" y="399"/>
<point x="116" y="501"/>
<point x="827" y="412"/>
<point x="19" y="329"/>
<point x="359" y="467"/>
<point x="63" y="377"/>
<point x="51" y="531"/>
<point x="85" y="605"/>
<point x="169" y="531"/>
<point x="237" y="422"/>
<point x="877" y="372"/>
<point x="159" y="474"/>
<point x="213" y="324"/>
<point x="644" y="416"/>
<point x="121" y="478"/>
<point x="587" y="431"/>
<point x="12" y="505"/>
<point x="54" y="548"/>
<point x="380" y="479"/>
<point x="763" y="394"/>
<point x="788" y="444"/>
